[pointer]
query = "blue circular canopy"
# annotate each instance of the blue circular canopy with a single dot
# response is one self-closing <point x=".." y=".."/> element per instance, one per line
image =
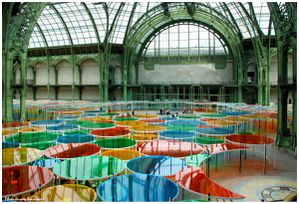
<point x="75" y="138"/>
<point x="138" y="188"/>
<point x="93" y="111"/>
<point x="236" y="113"/>
<point x="63" y="127"/>
<point x="186" y="122"/>
<point x="177" y="135"/>
<point x="157" y="165"/>
<point x="214" y="131"/>
<point x="68" y="117"/>
<point x="47" y="163"/>
<point x="9" y="144"/>
<point x="47" y="122"/>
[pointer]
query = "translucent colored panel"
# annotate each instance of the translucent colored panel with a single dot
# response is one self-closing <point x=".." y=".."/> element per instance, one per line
<point x="89" y="168"/>
<point x="66" y="193"/>
<point x="208" y="140"/>
<point x="123" y="154"/>
<point x="114" y="143"/>
<point x="177" y="135"/>
<point x="214" y="131"/>
<point x="181" y="127"/>
<point x="124" y="118"/>
<point x="111" y="132"/>
<point x="65" y="151"/>
<point x="32" y="137"/>
<point x="75" y="138"/>
<point x="195" y="180"/>
<point x="249" y="139"/>
<point x="144" y="136"/>
<point x="172" y="148"/>
<point x="130" y="123"/>
<point x="183" y="122"/>
<point x="15" y="124"/>
<point x="17" y="180"/>
<point x="196" y="160"/>
<point x="147" y="128"/>
<point x="138" y="188"/>
<point x="219" y="148"/>
<point x="157" y="165"/>
<point x="19" y="156"/>
<point x="47" y="163"/>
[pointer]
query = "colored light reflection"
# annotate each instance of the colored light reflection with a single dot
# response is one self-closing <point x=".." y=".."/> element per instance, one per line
<point x="138" y="188"/>
<point x="66" y="193"/>
<point x="89" y="168"/>
<point x="19" y="156"/>
<point x="64" y="151"/>
<point x="157" y="165"/>
<point x="194" y="179"/>
<point x="17" y="180"/>
<point x="174" y="148"/>
<point x="249" y="139"/>
<point x="111" y="132"/>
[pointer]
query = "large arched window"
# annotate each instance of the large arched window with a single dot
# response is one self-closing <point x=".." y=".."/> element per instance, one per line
<point x="185" y="39"/>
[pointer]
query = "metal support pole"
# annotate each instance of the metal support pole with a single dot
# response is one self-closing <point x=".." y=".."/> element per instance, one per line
<point x="265" y="157"/>
<point x="240" y="164"/>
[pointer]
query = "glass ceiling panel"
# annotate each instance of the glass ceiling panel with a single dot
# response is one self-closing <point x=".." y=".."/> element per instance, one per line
<point x="53" y="29"/>
<point x="36" y="39"/>
<point x="78" y="23"/>
<point x="262" y="14"/>
<point x="82" y="30"/>
<point x="99" y="15"/>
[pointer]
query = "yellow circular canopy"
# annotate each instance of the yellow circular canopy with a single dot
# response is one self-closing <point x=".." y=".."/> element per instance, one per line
<point x="19" y="156"/>
<point x="66" y="193"/>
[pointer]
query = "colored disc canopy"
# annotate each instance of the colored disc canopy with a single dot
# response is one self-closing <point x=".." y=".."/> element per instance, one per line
<point x="177" y="135"/>
<point x="157" y="165"/>
<point x="20" y="156"/>
<point x="174" y="148"/>
<point x="17" y="180"/>
<point x="111" y="132"/>
<point x="66" y="151"/>
<point x="138" y="188"/>
<point x="89" y="168"/>
<point x="194" y="180"/>
<point x="116" y="143"/>
<point x="249" y="139"/>
<point x="75" y="138"/>
<point x="66" y="193"/>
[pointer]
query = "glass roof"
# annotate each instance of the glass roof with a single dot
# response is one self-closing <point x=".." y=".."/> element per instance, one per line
<point x="75" y="23"/>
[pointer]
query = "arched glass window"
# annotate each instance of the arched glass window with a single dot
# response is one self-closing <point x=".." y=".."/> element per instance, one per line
<point x="185" y="39"/>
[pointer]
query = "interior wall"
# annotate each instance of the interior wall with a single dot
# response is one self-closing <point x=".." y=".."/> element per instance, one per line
<point x="91" y="93"/>
<point x="29" y="94"/>
<point x="90" y="73"/>
<point x="65" y="93"/>
<point x="29" y="73"/>
<point x="65" y="73"/>
<point x="42" y="74"/>
<point x="41" y="93"/>
<point x="117" y="76"/>
<point x="185" y="74"/>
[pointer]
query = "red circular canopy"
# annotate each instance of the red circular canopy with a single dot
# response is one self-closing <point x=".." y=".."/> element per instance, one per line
<point x="174" y="148"/>
<point x="249" y="139"/>
<point x="17" y="180"/>
<point x="64" y="151"/>
<point x="111" y="132"/>
<point x="14" y="124"/>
